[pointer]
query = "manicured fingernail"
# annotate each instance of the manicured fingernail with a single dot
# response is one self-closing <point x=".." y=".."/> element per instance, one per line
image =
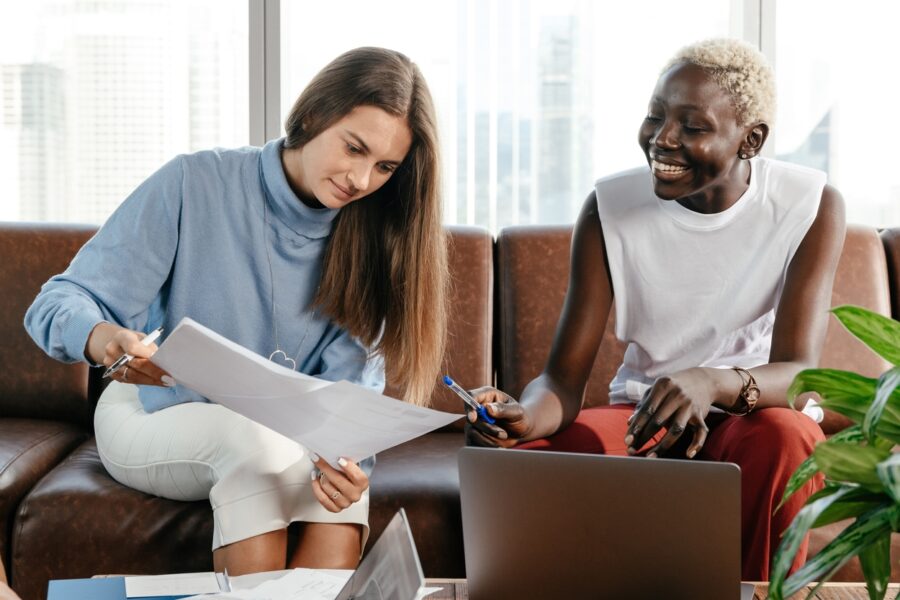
<point x="502" y="435"/>
<point x="691" y="453"/>
<point x="651" y="455"/>
<point x="168" y="381"/>
<point x="628" y="439"/>
<point x="342" y="461"/>
<point x="630" y="450"/>
<point x="630" y="419"/>
<point x="313" y="457"/>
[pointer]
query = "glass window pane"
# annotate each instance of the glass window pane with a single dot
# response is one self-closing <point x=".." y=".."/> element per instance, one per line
<point x="535" y="98"/>
<point x="833" y="95"/>
<point x="96" y="95"/>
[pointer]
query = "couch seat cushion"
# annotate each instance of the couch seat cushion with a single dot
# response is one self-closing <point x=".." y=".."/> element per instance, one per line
<point x="29" y="448"/>
<point x="80" y="522"/>
<point x="421" y="476"/>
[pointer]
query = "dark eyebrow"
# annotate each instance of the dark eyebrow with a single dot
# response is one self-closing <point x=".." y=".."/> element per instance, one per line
<point x="365" y="147"/>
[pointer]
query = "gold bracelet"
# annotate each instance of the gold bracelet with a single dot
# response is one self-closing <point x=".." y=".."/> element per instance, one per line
<point x="747" y="397"/>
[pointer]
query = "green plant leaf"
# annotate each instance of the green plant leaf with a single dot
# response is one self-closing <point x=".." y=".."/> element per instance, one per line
<point x="833" y="383"/>
<point x="808" y="468"/>
<point x="844" y="389"/>
<point x="857" y="501"/>
<point x="876" y="566"/>
<point x="885" y="387"/>
<point x="851" y="395"/>
<point x="889" y="473"/>
<point x="793" y="537"/>
<point x="850" y="462"/>
<point x="881" y="334"/>
<point x="863" y="532"/>
<point x="829" y="488"/>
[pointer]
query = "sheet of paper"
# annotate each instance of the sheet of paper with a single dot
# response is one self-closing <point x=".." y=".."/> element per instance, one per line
<point x="297" y="584"/>
<point x="331" y="419"/>
<point x="171" y="585"/>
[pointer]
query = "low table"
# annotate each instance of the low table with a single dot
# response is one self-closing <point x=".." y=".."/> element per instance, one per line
<point x="455" y="589"/>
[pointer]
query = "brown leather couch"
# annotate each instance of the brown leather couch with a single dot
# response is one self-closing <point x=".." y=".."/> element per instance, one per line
<point x="63" y="516"/>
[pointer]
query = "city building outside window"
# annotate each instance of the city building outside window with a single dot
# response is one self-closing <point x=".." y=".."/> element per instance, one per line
<point x="536" y="99"/>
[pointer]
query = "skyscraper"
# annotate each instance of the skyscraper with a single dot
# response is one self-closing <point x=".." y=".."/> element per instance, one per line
<point x="562" y="149"/>
<point x="33" y="146"/>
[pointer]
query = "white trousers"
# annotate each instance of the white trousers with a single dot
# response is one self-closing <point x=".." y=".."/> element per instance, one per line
<point x="256" y="480"/>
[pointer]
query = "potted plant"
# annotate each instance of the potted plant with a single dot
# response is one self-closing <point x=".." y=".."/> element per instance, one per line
<point x="862" y="475"/>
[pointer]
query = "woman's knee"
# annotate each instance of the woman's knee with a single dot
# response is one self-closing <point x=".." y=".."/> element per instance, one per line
<point x="782" y="433"/>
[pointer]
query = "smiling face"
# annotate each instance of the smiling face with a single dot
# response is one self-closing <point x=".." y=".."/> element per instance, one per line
<point x="350" y="160"/>
<point x="692" y="141"/>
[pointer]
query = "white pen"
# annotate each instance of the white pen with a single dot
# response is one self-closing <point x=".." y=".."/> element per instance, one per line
<point x="123" y="360"/>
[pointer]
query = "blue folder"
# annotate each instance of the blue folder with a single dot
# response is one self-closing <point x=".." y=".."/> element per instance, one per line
<point x="99" y="588"/>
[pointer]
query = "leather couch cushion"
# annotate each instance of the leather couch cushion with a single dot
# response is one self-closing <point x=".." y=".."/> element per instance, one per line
<point x="469" y="337"/>
<point x="861" y="279"/>
<point x="34" y="385"/>
<point x="422" y="477"/>
<point x="79" y="522"/>
<point x="28" y="450"/>
<point x="533" y="273"/>
<point x="891" y="239"/>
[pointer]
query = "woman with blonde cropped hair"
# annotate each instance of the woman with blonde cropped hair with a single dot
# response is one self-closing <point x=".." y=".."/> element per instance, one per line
<point x="721" y="263"/>
<point x="323" y="251"/>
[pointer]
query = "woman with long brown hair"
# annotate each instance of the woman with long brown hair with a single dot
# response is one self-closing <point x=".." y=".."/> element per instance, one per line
<point x="323" y="251"/>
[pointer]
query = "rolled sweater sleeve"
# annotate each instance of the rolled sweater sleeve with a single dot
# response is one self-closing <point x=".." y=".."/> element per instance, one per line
<point x="119" y="275"/>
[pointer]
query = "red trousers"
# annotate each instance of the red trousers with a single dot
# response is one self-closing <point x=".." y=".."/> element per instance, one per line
<point x="768" y="445"/>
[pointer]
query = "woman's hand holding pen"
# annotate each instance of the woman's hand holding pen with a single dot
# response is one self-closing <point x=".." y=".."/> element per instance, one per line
<point x="512" y="422"/>
<point x="107" y="343"/>
<point x="337" y="489"/>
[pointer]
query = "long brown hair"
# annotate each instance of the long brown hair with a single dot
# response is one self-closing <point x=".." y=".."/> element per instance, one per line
<point x="385" y="273"/>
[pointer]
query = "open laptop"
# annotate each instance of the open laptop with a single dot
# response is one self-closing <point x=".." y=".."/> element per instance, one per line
<point x="557" y="525"/>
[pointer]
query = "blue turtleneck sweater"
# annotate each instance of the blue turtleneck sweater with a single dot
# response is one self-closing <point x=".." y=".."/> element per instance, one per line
<point x="189" y="242"/>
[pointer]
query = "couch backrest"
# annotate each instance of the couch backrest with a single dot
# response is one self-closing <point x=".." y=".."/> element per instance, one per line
<point x="891" y="239"/>
<point x="532" y="275"/>
<point x="861" y="279"/>
<point x="533" y="271"/>
<point x="468" y="358"/>
<point x="37" y="386"/>
<point x="31" y="383"/>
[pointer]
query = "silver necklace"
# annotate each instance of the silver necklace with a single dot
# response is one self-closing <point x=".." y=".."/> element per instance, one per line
<point x="279" y="356"/>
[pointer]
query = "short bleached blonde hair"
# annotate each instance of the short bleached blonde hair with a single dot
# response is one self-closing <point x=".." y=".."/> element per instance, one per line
<point x="740" y="70"/>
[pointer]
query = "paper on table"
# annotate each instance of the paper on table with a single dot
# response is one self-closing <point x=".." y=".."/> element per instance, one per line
<point x="297" y="584"/>
<point x="171" y="585"/>
<point x="330" y="419"/>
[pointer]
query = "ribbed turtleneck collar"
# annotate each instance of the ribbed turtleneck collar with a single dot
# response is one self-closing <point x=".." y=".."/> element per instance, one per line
<point x="284" y="203"/>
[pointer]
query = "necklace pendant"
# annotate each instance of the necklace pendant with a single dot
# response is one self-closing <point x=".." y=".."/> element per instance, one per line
<point x="280" y="358"/>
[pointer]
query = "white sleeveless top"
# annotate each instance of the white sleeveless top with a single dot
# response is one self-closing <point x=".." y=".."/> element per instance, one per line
<point x="700" y="290"/>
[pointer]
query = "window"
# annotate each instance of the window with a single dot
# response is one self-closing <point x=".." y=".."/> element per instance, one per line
<point x="836" y="92"/>
<point x="535" y="98"/>
<point x="96" y="95"/>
